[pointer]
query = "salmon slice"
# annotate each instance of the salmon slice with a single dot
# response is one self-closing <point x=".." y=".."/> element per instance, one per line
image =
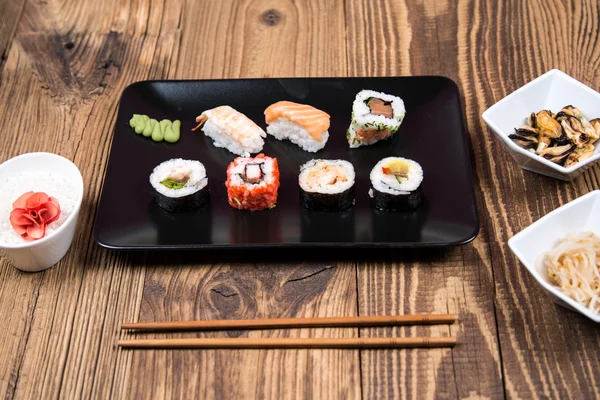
<point x="380" y="107"/>
<point x="231" y="121"/>
<point x="315" y="121"/>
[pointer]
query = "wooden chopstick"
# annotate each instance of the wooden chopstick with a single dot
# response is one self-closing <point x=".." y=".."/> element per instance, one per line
<point x="426" y="319"/>
<point x="289" y="343"/>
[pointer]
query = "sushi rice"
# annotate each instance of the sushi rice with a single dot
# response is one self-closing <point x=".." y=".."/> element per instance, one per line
<point x="284" y="129"/>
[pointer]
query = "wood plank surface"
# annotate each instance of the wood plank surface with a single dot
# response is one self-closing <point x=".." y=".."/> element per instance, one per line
<point x="63" y="67"/>
<point x="240" y="39"/>
<point x="546" y="350"/>
<point x="11" y="14"/>
<point x="456" y="281"/>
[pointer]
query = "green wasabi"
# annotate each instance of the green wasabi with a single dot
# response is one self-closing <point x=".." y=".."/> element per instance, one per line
<point x="172" y="132"/>
<point x="140" y="124"/>
<point x="148" y="128"/>
<point x="133" y="120"/>
<point x="158" y="131"/>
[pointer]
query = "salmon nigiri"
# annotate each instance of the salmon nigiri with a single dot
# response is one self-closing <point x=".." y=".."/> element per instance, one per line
<point x="302" y="124"/>
<point x="232" y="130"/>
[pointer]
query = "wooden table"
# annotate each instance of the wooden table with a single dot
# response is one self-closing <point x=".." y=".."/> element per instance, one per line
<point x="63" y="67"/>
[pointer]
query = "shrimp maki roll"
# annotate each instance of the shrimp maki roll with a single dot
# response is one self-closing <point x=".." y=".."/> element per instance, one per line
<point x="180" y="185"/>
<point x="396" y="184"/>
<point x="252" y="183"/>
<point x="326" y="185"/>
<point x="303" y="125"/>
<point x="375" y="116"/>
<point x="232" y="130"/>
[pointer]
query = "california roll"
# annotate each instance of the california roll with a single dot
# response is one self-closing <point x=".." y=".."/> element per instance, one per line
<point x="180" y="185"/>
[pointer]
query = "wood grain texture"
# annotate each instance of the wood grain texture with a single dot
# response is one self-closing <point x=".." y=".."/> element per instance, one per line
<point x="245" y="39"/>
<point x="546" y="351"/>
<point x="63" y="66"/>
<point x="11" y="14"/>
<point x="261" y="38"/>
<point x="254" y="291"/>
<point x="457" y="281"/>
<point x="61" y="84"/>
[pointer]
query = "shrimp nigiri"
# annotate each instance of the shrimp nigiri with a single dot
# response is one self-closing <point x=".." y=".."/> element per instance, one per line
<point x="232" y="130"/>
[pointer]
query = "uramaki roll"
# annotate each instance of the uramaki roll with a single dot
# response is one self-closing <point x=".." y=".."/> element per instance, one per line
<point x="252" y="183"/>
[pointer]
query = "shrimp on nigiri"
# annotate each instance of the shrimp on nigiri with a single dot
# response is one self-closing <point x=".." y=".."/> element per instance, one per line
<point x="232" y="130"/>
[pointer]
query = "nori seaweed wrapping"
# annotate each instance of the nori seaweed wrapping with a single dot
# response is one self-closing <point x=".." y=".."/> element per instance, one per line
<point x="327" y="202"/>
<point x="403" y="202"/>
<point x="182" y="204"/>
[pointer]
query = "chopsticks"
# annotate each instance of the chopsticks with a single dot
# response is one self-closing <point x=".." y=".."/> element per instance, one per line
<point x="276" y="323"/>
<point x="290" y="343"/>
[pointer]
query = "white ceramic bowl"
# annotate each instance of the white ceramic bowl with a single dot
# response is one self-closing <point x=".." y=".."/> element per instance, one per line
<point x="43" y="253"/>
<point x="580" y="215"/>
<point x="551" y="91"/>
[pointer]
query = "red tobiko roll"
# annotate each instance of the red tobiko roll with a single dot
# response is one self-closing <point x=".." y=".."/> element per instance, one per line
<point x="32" y="212"/>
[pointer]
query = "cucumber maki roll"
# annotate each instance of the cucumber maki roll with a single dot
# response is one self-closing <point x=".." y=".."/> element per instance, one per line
<point x="326" y="185"/>
<point x="396" y="184"/>
<point x="375" y="116"/>
<point x="180" y="185"/>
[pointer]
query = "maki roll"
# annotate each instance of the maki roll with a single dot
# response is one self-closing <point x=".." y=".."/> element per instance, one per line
<point x="232" y="130"/>
<point x="303" y="125"/>
<point x="180" y="185"/>
<point x="326" y="185"/>
<point x="375" y="116"/>
<point x="252" y="183"/>
<point x="396" y="184"/>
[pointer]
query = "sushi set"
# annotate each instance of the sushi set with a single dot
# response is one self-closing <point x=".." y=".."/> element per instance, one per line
<point x="363" y="162"/>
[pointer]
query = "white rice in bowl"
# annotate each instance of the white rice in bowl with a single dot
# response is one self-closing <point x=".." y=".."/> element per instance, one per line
<point x="37" y="181"/>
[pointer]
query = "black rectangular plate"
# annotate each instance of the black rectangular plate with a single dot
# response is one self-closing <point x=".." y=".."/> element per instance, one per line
<point x="432" y="133"/>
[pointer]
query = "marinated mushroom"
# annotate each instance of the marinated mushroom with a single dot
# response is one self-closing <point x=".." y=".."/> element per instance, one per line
<point x="574" y="130"/>
<point x="557" y="153"/>
<point x="585" y="125"/>
<point x="595" y="123"/>
<point x="548" y="126"/>
<point x="579" y="154"/>
<point x="526" y="137"/>
<point x="565" y="138"/>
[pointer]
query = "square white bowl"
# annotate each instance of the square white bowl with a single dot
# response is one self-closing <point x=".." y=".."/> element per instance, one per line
<point x="551" y="91"/>
<point x="580" y="215"/>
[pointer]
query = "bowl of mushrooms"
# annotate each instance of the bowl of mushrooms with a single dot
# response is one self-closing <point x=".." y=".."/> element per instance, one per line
<point x="550" y="126"/>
